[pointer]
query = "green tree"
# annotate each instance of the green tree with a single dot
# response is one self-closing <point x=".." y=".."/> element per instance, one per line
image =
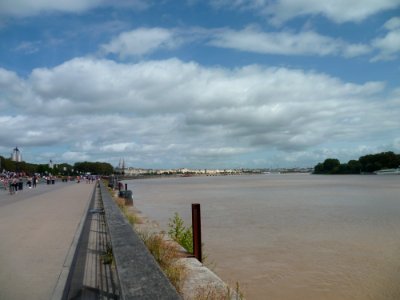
<point x="99" y="168"/>
<point x="383" y="160"/>
<point x="331" y="165"/>
<point x="354" y="166"/>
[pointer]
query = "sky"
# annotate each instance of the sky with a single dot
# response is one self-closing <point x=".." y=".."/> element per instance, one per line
<point x="199" y="83"/>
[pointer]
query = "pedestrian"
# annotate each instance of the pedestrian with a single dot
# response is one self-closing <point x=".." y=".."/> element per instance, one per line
<point x="34" y="180"/>
<point x="14" y="185"/>
<point x="10" y="186"/>
<point x="29" y="182"/>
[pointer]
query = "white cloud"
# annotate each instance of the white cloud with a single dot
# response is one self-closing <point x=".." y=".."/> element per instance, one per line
<point x="118" y="147"/>
<point x="144" y="41"/>
<point x="27" y="7"/>
<point x="28" y="47"/>
<point x="388" y="46"/>
<point x="286" y="43"/>
<point x="392" y="24"/>
<point x="21" y="8"/>
<point x="171" y="112"/>
<point x="339" y="11"/>
<point x="11" y="89"/>
<point x="8" y="78"/>
<point x="74" y="156"/>
<point x="141" y="41"/>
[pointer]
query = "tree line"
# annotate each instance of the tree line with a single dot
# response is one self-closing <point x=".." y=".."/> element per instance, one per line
<point x="99" y="168"/>
<point x="365" y="164"/>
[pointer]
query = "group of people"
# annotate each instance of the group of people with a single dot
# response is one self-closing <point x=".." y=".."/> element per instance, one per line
<point x="87" y="178"/>
<point x="13" y="181"/>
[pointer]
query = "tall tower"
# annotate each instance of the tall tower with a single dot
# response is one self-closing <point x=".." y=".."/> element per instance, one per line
<point x="16" y="155"/>
<point x="121" y="166"/>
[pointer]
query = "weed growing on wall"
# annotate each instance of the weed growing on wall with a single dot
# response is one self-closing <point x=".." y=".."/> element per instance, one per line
<point x="180" y="233"/>
<point x="166" y="254"/>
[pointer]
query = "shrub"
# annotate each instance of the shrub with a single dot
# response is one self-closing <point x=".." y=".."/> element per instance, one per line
<point x="180" y="233"/>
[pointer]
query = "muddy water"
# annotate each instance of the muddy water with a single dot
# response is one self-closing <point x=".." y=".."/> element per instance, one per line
<point x="291" y="236"/>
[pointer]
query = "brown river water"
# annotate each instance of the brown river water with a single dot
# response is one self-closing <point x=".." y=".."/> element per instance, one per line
<point x="290" y="236"/>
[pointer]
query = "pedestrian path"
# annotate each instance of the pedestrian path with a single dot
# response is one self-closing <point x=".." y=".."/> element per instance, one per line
<point x="37" y="228"/>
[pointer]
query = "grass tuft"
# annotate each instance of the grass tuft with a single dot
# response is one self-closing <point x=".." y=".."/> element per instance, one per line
<point x="107" y="258"/>
<point x="213" y="292"/>
<point x="166" y="254"/>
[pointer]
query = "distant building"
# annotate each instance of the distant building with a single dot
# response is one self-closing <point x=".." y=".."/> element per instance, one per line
<point x="16" y="155"/>
<point x="51" y="165"/>
<point x="121" y="167"/>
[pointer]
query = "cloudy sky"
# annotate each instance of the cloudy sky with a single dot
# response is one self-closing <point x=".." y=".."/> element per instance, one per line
<point x="199" y="83"/>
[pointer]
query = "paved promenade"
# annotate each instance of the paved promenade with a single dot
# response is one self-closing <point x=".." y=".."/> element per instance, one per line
<point x="37" y="227"/>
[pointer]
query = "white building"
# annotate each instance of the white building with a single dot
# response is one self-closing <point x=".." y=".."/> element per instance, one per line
<point x="16" y="155"/>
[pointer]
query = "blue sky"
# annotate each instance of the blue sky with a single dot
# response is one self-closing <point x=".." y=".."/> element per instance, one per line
<point x="199" y="84"/>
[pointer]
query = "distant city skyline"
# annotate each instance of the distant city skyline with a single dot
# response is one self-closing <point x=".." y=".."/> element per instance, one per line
<point x="199" y="84"/>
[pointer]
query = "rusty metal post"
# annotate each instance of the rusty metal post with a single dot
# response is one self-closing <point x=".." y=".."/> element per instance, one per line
<point x="196" y="225"/>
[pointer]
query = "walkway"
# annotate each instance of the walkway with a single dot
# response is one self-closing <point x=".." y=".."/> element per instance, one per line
<point x="37" y="227"/>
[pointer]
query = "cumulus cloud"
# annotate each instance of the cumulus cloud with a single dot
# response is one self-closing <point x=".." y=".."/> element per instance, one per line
<point x="339" y="11"/>
<point x="22" y="8"/>
<point x="286" y="43"/>
<point x="171" y="112"/>
<point x="141" y="41"/>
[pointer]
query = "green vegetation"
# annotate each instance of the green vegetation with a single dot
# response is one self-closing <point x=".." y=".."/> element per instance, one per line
<point x="94" y="167"/>
<point x="164" y="252"/>
<point x="365" y="164"/>
<point x="213" y="292"/>
<point x="180" y="233"/>
<point x="12" y="166"/>
<point x="131" y="217"/>
<point x="167" y="256"/>
<point x="107" y="258"/>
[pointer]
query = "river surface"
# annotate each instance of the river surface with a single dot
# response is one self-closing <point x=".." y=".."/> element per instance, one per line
<point x="291" y="236"/>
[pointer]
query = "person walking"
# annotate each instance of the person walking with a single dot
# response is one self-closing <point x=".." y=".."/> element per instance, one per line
<point x="10" y="185"/>
<point x="14" y="184"/>
<point x="29" y="182"/>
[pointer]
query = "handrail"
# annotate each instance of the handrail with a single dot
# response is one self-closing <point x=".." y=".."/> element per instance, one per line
<point x="139" y="275"/>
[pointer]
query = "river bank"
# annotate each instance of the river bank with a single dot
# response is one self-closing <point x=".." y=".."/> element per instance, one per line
<point x="191" y="278"/>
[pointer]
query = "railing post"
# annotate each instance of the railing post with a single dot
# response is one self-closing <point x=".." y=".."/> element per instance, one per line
<point x="126" y="186"/>
<point x="196" y="225"/>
